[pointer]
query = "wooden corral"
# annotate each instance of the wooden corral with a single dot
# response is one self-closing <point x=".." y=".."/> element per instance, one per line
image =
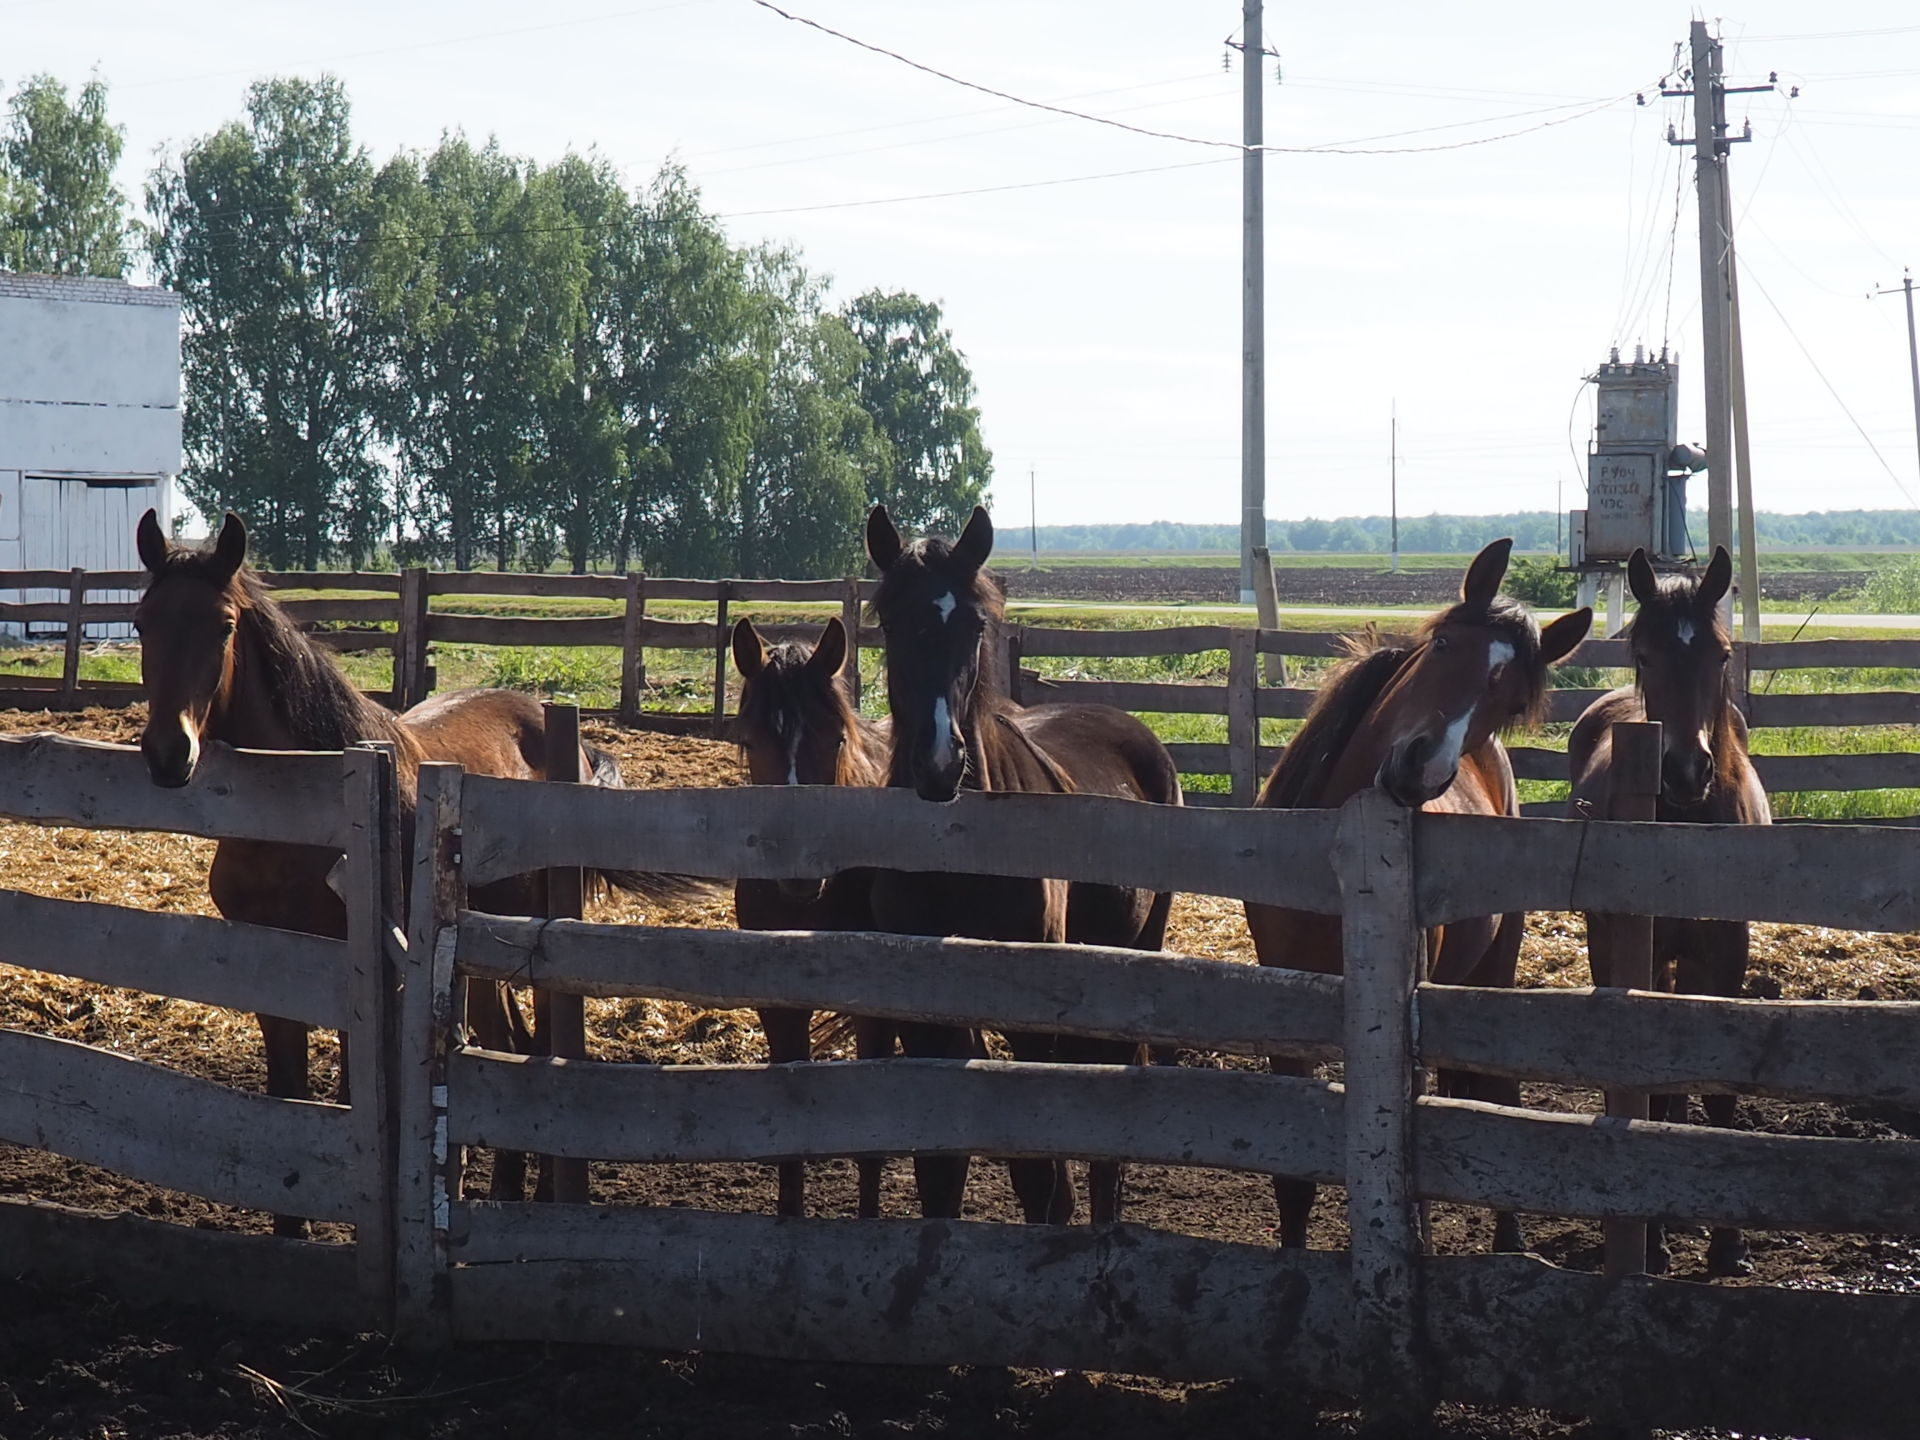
<point x="1383" y="1320"/>
<point x="398" y="619"/>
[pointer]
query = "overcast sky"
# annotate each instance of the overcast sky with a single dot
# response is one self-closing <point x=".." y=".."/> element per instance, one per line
<point x="1474" y="287"/>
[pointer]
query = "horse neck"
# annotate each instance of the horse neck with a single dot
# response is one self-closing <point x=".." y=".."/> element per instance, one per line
<point x="255" y="713"/>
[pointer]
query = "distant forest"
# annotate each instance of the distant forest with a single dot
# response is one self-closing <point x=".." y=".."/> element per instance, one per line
<point x="1533" y="530"/>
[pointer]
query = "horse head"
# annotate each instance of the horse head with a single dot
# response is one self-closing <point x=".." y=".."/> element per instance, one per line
<point x="1681" y="651"/>
<point x="186" y="622"/>
<point x="936" y="605"/>
<point x="796" y="720"/>
<point x="1479" y="668"/>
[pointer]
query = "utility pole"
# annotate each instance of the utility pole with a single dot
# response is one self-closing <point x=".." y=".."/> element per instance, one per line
<point x="1718" y="289"/>
<point x="1393" y="480"/>
<point x="1253" y="304"/>
<point x="1033" y="519"/>
<point x="1913" y="350"/>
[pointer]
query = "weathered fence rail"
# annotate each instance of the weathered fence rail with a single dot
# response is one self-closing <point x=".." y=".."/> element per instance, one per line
<point x="1382" y="1320"/>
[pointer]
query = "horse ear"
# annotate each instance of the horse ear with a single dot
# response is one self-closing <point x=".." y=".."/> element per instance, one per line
<point x="1557" y="640"/>
<point x="1641" y="579"/>
<point x="1719" y="576"/>
<point x="152" y="543"/>
<point x="830" y="652"/>
<point x="230" y="550"/>
<point x="749" y="650"/>
<point x="1486" y="572"/>
<point x="883" y="540"/>
<point x="976" y="541"/>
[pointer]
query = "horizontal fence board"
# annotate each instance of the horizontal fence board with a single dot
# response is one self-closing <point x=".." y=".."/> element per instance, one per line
<point x="1849" y="877"/>
<point x="519" y="583"/>
<point x="176" y="1130"/>
<point x="1536" y="762"/>
<point x="1219" y="1119"/>
<point x="189" y="957"/>
<point x="1887" y="770"/>
<point x="1882" y="707"/>
<point x="1597" y="653"/>
<point x="1120" y="1299"/>
<point x="1175" y="640"/>
<point x="1203" y="757"/>
<point x="1598" y="1167"/>
<point x="1065" y="989"/>
<point x="771" y="832"/>
<point x="1283" y="703"/>
<point x="313" y="612"/>
<point x="524" y="629"/>
<point x="355" y="641"/>
<point x="292" y="796"/>
<point x="1857" y="1050"/>
<point x="61" y="579"/>
<point x="1513" y="1330"/>
<point x="818" y="591"/>
<point x="101" y="613"/>
<point x="1154" y="697"/>
<point x="279" y="1281"/>
<point x="1565" y="706"/>
<point x="383" y="581"/>
<point x="1837" y="654"/>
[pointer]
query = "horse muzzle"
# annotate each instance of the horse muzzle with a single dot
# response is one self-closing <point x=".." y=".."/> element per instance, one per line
<point x="171" y="757"/>
<point x="801" y="892"/>
<point x="1415" y="772"/>
<point x="1686" y="777"/>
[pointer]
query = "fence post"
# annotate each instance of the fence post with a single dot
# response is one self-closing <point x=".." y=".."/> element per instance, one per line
<point x="1634" y="795"/>
<point x="76" y="632"/>
<point x="1742" y="678"/>
<point x="633" y="658"/>
<point x="1013" y="654"/>
<point x="367" y="793"/>
<point x="1243" y="716"/>
<point x="850" y="617"/>
<point x="410" y="645"/>
<point x="1266" y="596"/>
<point x="721" y="645"/>
<point x="1384" y="951"/>
<point x="560" y="1021"/>
<point x="427" y="1172"/>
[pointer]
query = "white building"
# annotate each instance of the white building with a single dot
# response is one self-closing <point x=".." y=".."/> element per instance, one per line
<point x="89" y="423"/>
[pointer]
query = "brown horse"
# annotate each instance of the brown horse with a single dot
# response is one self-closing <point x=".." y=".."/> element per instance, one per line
<point x="1422" y="722"/>
<point x="954" y="728"/>
<point x="1681" y="652"/>
<point x="797" y="726"/>
<point x="220" y="661"/>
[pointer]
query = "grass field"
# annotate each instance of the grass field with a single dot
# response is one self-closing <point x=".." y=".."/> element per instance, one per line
<point x="683" y="680"/>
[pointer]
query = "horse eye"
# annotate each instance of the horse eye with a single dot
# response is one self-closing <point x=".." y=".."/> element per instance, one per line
<point x="1439" y="642"/>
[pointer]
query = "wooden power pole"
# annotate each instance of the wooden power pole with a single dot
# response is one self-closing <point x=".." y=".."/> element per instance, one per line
<point x="1719" y="324"/>
<point x="1913" y="348"/>
<point x="1253" y="306"/>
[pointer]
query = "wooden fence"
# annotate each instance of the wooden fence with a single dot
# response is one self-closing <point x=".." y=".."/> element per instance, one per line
<point x="399" y="619"/>
<point x="1381" y="1320"/>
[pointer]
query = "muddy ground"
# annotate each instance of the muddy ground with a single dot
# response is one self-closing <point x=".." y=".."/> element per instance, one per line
<point x="76" y="1364"/>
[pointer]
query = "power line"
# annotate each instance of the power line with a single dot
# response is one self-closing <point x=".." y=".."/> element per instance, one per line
<point x="1331" y="148"/>
<point x="1891" y="474"/>
<point x="977" y="190"/>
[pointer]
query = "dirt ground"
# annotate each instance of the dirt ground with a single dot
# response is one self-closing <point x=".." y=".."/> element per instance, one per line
<point x="76" y="1364"/>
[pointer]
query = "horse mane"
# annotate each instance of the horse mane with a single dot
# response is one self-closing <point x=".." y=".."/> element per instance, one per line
<point x="1338" y="707"/>
<point x="784" y="686"/>
<point x="1352" y="688"/>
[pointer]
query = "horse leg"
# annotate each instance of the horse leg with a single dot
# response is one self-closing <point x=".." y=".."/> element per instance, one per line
<point x="497" y="1024"/>
<point x="787" y="1033"/>
<point x="1715" y="963"/>
<point x="939" y="1180"/>
<point x="1487" y="953"/>
<point x="286" y="1046"/>
<point x="872" y="1040"/>
<point x="1293" y="1198"/>
<point x="1044" y="1187"/>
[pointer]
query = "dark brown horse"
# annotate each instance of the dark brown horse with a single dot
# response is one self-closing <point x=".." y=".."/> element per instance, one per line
<point x="1681" y="655"/>
<point x="797" y="726"/>
<point x="954" y="728"/>
<point x="1423" y="722"/>
<point x="220" y="661"/>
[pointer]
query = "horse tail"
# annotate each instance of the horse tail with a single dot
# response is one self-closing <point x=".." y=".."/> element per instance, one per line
<point x="654" y="887"/>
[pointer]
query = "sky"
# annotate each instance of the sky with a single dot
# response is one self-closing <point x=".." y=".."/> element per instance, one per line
<point x="1466" y="290"/>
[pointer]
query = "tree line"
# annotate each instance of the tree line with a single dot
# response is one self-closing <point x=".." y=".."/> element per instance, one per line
<point x="1532" y="530"/>
<point x="464" y="356"/>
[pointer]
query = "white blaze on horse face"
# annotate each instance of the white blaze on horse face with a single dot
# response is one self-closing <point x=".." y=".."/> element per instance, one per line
<point x="192" y="729"/>
<point x="793" y="752"/>
<point x="945" y="605"/>
<point x="1437" y="773"/>
<point x="942" y="733"/>
<point x="1498" y="653"/>
<point x="1685" y="631"/>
